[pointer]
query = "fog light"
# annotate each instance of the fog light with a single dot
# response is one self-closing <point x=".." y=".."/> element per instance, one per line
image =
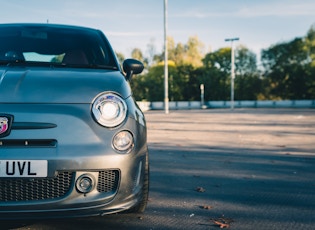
<point x="85" y="183"/>
<point x="123" y="141"/>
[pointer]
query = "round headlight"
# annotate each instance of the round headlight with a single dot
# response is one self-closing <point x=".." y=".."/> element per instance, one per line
<point x="109" y="110"/>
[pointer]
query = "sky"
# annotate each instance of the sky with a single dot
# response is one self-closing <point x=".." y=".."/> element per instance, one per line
<point x="130" y="24"/>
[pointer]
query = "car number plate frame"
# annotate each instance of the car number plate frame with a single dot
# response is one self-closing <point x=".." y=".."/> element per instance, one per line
<point x="23" y="168"/>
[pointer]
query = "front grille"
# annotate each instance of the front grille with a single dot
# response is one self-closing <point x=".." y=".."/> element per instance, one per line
<point x="28" y="143"/>
<point x="37" y="189"/>
<point x="15" y="189"/>
<point x="108" y="181"/>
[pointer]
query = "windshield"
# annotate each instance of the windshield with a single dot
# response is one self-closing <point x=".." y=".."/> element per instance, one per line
<point x="52" y="44"/>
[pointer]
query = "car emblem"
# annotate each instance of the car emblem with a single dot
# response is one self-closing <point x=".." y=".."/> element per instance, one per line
<point x="5" y="124"/>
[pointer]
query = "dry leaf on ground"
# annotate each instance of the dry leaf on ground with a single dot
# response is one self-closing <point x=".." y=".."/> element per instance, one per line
<point x="200" y="189"/>
<point x="208" y="207"/>
<point x="222" y="222"/>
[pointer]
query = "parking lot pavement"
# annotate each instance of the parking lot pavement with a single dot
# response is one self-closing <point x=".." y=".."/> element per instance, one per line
<point x="253" y="167"/>
<point x="242" y="169"/>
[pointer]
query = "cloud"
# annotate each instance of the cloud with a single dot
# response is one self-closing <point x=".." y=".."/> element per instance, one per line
<point x="133" y="34"/>
<point x="278" y="9"/>
<point x="253" y="9"/>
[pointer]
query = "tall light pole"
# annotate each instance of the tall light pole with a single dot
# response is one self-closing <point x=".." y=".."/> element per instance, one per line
<point x="232" y="69"/>
<point x="166" y="100"/>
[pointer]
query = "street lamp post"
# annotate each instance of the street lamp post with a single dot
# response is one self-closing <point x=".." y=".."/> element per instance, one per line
<point x="202" y="96"/>
<point x="166" y="100"/>
<point x="232" y="69"/>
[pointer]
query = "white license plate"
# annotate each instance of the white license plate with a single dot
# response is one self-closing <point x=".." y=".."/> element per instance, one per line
<point x="23" y="168"/>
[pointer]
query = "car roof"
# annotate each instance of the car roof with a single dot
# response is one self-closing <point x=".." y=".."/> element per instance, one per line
<point x="48" y="25"/>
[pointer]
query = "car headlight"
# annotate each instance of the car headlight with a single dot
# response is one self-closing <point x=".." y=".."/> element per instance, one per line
<point x="109" y="110"/>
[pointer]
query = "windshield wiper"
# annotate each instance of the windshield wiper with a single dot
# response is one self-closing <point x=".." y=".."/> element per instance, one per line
<point x="88" y="66"/>
<point x="95" y="66"/>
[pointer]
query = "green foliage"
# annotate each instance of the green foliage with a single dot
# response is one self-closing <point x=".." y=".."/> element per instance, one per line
<point x="288" y="72"/>
<point x="137" y="54"/>
<point x="216" y="83"/>
<point x="245" y="61"/>
<point x="220" y="59"/>
<point x="150" y="86"/>
<point x="310" y="45"/>
<point x="248" y="87"/>
<point x="120" y="57"/>
<point x="184" y="54"/>
<point x="288" y="69"/>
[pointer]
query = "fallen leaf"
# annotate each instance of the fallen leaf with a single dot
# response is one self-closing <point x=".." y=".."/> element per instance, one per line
<point x="222" y="222"/>
<point x="200" y="189"/>
<point x="208" y="207"/>
<point x="221" y="225"/>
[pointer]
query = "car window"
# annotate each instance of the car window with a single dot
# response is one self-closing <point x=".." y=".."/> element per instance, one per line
<point x="49" y="44"/>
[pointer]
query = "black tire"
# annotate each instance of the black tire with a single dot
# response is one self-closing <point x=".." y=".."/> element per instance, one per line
<point x="141" y="206"/>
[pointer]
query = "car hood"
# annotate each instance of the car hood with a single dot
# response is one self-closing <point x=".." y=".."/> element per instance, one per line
<point x="48" y="85"/>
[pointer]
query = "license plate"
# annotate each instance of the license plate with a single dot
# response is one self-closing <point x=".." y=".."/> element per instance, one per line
<point x="23" y="168"/>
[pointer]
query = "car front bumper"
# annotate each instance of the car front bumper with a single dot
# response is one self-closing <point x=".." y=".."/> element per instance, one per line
<point x="116" y="188"/>
<point x="81" y="147"/>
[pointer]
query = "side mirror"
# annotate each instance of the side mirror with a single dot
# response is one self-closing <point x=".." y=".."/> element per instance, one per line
<point x="132" y="66"/>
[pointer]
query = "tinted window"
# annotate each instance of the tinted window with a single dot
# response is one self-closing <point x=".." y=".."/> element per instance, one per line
<point x="53" y="44"/>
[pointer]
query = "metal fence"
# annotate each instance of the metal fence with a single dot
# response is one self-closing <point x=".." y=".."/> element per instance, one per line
<point x="178" y="105"/>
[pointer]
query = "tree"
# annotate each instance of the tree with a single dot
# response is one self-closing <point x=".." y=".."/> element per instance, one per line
<point x="245" y="61"/>
<point x="287" y="70"/>
<point x="181" y="83"/>
<point x="217" y="78"/>
<point x="220" y="59"/>
<point x="136" y="53"/>
<point x="310" y="45"/>
<point x="150" y="86"/>
<point x="120" y="57"/>
<point x="151" y="52"/>
<point x="310" y="49"/>
<point x="190" y="53"/>
<point x="248" y="84"/>
<point x="139" y="87"/>
<point x="194" y="52"/>
<point x="216" y="74"/>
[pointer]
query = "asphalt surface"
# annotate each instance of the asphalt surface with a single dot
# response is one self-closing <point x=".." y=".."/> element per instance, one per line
<point x="240" y="169"/>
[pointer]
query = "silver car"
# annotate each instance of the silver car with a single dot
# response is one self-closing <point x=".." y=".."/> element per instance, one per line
<point x="72" y="139"/>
